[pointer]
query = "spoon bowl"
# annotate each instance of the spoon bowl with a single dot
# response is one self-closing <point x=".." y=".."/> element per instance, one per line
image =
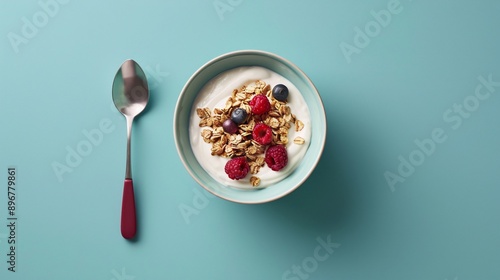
<point x="130" y="89"/>
<point x="131" y="95"/>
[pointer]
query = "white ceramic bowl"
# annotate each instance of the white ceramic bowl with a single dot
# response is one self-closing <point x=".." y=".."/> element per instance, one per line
<point x="274" y="63"/>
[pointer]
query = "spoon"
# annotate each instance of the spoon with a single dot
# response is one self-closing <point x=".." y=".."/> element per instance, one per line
<point x="130" y="95"/>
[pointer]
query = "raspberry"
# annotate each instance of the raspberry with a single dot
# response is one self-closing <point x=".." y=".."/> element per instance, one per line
<point x="262" y="133"/>
<point x="237" y="168"/>
<point x="260" y="104"/>
<point x="276" y="157"/>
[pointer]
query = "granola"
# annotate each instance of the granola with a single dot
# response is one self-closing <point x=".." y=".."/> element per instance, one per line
<point x="223" y="144"/>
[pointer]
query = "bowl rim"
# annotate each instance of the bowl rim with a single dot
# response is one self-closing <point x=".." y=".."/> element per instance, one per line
<point x="288" y="63"/>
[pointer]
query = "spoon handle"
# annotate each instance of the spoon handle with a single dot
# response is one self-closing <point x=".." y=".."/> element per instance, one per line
<point x="128" y="223"/>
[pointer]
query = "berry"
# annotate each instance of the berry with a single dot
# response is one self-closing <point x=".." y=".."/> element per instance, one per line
<point x="260" y="104"/>
<point x="239" y="115"/>
<point x="237" y="168"/>
<point x="229" y="126"/>
<point x="276" y="157"/>
<point x="280" y="92"/>
<point x="262" y="133"/>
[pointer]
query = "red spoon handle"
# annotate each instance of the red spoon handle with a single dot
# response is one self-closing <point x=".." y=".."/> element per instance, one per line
<point x="128" y="224"/>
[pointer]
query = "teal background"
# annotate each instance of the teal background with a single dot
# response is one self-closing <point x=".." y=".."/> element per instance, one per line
<point x="440" y="223"/>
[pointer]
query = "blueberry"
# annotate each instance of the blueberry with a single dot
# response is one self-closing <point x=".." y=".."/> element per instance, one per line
<point x="280" y="92"/>
<point x="229" y="126"/>
<point x="239" y="115"/>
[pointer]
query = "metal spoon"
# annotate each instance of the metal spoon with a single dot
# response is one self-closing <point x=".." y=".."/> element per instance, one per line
<point x="130" y="95"/>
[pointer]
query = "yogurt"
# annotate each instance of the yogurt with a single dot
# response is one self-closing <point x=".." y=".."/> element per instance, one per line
<point x="215" y="94"/>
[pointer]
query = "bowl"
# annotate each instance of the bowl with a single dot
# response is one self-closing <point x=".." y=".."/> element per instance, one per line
<point x="274" y="63"/>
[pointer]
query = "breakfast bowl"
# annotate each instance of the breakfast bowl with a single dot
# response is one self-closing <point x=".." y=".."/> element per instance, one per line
<point x="218" y="87"/>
